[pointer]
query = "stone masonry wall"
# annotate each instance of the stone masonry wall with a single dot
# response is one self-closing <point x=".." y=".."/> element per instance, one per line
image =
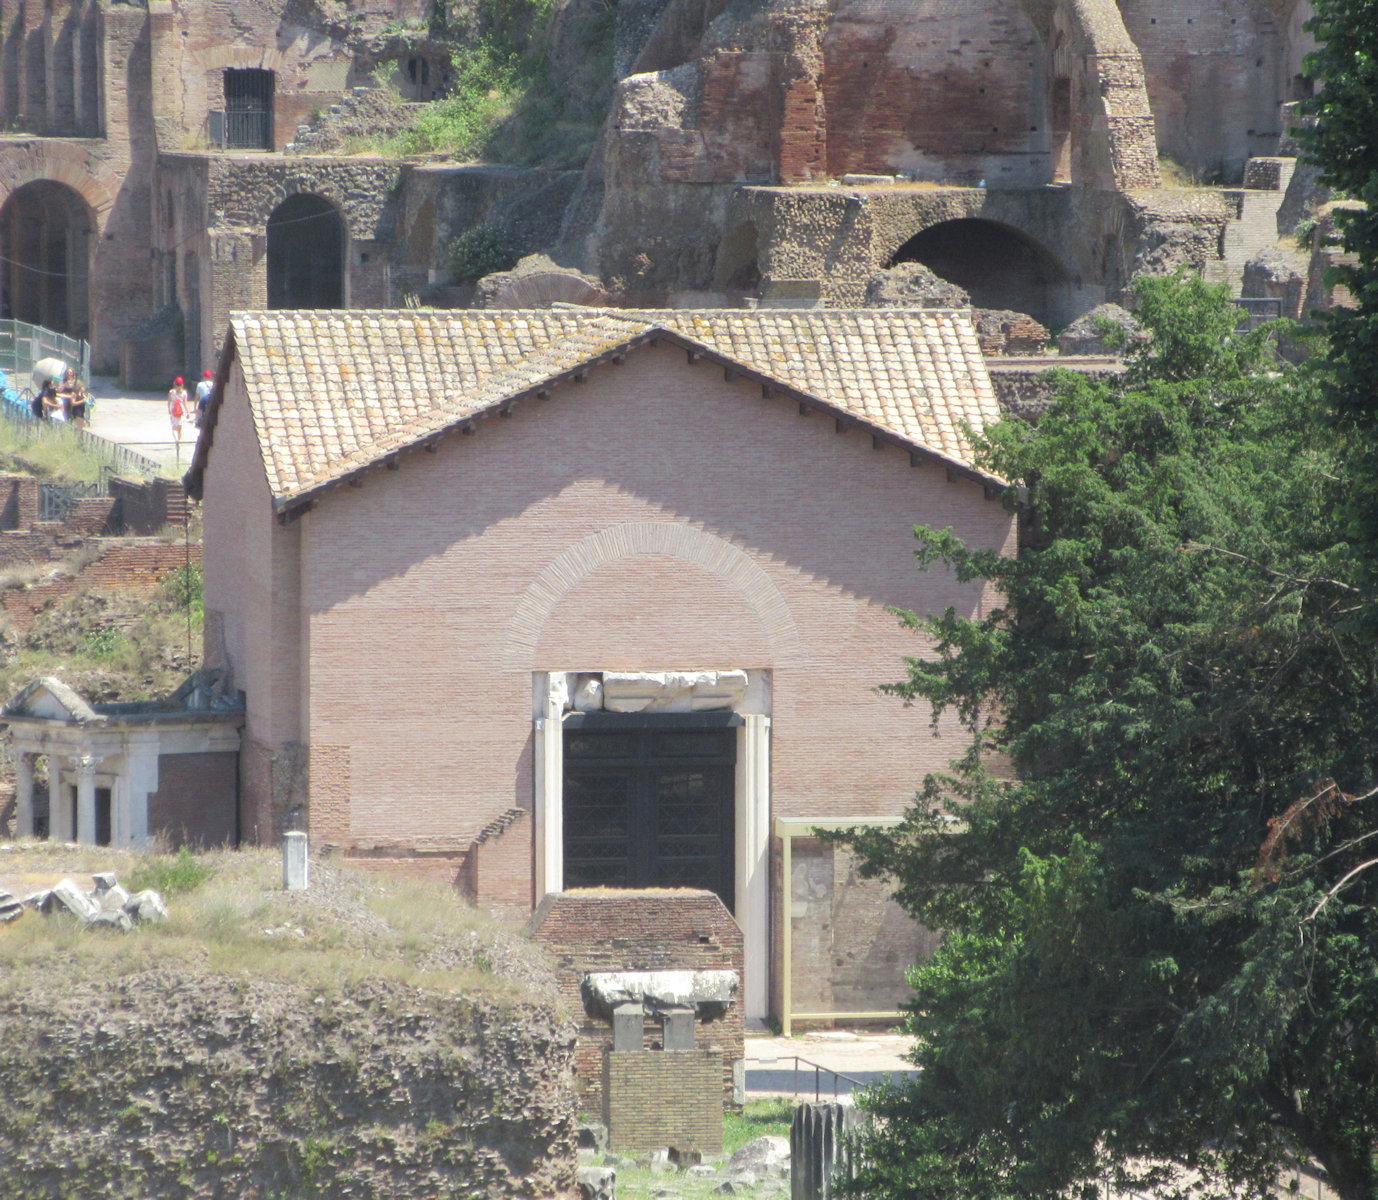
<point x="172" y="1080"/>
<point x="658" y="929"/>
<point x="851" y="945"/>
<point x="953" y="92"/>
<point x="1216" y="75"/>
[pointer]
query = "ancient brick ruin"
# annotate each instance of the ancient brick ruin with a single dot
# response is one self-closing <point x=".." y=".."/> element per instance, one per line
<point x="169" y="162"/>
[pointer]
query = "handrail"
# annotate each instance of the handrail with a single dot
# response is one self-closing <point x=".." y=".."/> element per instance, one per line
<point x="818" y="1070"/>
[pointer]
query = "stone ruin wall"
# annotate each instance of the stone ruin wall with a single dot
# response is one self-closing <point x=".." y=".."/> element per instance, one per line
<point x="715" y="99"/>
<point x="956" y="93"/>
<point x="173" y="1080"/>
<point x="1216" y="75"/>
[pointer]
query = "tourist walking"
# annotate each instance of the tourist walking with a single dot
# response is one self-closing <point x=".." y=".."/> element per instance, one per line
<point x="203" y="396"/>
<point x="177" y="403"/>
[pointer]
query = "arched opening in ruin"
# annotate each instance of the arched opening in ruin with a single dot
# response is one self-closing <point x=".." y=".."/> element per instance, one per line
<point x="45" y="257"/>
<point x="306" y="250"/>
<point x="999" y="267"/>
<point x="737" y="269"/>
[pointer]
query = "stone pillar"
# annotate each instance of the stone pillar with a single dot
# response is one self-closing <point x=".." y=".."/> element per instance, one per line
<point x="295" y="866"/>
<point x="86" y="800"/>
<point x="59" y="815"/>
<point x="23" y="795"/>
<point x="549" y="754"/>
<point x="753" y="861"/>
<point x="141" y="770"/>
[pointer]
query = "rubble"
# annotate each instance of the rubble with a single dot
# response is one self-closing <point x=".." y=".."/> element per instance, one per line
<point x="1107" y="329"/>
<point x="107" y="905"/>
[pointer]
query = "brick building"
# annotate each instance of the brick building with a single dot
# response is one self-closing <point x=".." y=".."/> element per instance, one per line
<point x="534" y="600"/>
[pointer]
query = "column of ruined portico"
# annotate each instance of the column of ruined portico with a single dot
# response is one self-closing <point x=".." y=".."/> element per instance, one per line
<point x="23" y="795"/>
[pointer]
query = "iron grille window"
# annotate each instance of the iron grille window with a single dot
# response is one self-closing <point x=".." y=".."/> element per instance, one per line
<point x="248" y="109"/>
<point x="650" y="807"/>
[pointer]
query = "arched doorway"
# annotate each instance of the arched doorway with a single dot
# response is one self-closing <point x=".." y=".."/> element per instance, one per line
<point x="306" y="247"/>
<point x="45" y="257"/>
<point x="999" y="266"/>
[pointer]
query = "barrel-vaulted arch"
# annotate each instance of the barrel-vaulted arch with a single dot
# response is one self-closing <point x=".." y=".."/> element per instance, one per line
<point x="999" y="266"/>
<point x="307" y="241"/>
<point x="47" y="235"/>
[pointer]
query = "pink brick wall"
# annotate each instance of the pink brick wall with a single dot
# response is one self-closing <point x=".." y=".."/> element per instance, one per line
<point x="251" y="577"/>
<point x="411" y="583"/>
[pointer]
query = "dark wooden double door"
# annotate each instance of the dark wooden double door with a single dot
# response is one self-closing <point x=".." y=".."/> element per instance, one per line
<point x="650" y="805"/>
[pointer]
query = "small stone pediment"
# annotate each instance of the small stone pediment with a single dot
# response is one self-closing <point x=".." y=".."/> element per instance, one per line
<point x="52" y="700"/>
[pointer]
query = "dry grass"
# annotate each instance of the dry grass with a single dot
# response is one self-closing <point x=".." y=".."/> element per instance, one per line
<point x="346" y="928"/>
<point x="41" y="450"/>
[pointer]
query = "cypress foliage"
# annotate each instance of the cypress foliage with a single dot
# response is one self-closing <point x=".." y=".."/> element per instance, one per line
<point x="1161" y="959"/>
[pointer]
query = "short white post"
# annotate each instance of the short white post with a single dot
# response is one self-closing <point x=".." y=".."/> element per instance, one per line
<point x="294" y="861"/>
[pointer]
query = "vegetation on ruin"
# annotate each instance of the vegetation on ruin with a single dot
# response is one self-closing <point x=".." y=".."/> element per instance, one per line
<point x="480" y="250"/>
<point x="229" y="914"/>
<point x="32" y="449"/>
<point x="1162" y="950"/>
<point x="106" y="645"/>
<point x="757" y="1118"/>
<point x="531" y="83"/>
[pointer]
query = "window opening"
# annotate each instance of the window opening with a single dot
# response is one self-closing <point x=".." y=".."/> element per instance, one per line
<point x="248" y="109"/>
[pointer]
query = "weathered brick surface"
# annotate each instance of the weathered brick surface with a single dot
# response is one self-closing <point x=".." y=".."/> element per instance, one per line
<point x="195" y="804"/>
<point x="658" y="1098"/>
<point x="500" y="865"/>
<point x="255" y="569"/>
<point x="649" y="930"/>
<point x="126" y="564"/>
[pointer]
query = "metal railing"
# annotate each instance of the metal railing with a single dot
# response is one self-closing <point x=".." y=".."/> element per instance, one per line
<point x="121" y="458"/>
<point x="818" y="1072"/>
<point x="22" y="345"/>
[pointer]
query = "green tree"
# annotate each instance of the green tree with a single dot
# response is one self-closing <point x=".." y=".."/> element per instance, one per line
<point x="1154" y="961"/>
<point x="1340" y="139"/>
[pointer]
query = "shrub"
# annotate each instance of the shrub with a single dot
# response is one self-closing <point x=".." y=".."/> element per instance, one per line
<point x="173" y="875"/>
<point x="480" y="250"/>
<point x="184" y="588"/>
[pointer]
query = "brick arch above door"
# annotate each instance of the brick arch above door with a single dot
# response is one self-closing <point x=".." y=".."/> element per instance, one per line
<point x="728" y="562"/>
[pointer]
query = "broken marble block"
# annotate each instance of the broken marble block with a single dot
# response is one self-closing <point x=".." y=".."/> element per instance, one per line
<point x="66" y="895"/>
<point x="10" y="908"/>
<point x="147" y="905"/>
<point x="597" y="1183"/>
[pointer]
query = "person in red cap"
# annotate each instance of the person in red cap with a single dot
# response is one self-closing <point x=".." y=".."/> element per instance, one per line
<point x="203" y="396"/>
<point x="177" y="404"/>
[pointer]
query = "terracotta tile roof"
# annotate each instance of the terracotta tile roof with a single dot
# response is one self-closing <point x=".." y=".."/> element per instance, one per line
<point x="332" y="392"/>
